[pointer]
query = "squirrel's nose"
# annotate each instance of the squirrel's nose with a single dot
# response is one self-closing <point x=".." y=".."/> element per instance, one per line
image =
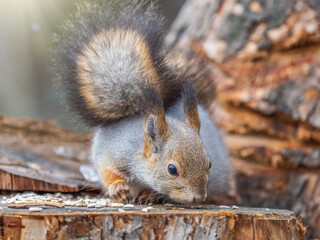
<point x="196" y="200"/>
<point x="199" y="198"/>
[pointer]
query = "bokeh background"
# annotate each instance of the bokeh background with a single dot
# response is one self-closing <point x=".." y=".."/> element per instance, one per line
<point x="26" y="29"/>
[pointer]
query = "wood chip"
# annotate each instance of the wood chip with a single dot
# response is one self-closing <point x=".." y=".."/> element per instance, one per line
<point x="147" y="209"/>
<point x="27" y="204"/>
<point x="128" y="206"/>
<point x="224" y="207"/>
<point x="115" y="205"/>
<point x="35" y="209"/>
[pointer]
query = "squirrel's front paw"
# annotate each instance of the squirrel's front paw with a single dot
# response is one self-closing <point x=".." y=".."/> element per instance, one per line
<point x="119" y="191"/>
<point x="146" y="196"/>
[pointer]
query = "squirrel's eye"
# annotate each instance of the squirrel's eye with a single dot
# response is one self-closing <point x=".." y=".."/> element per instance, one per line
<point x="209" y="165"/>
<point x="172" y="170"/>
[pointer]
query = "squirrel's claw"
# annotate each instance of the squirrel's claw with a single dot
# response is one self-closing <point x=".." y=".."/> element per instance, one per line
<point x="147" y="196"/>
<point x="119" y="191"/>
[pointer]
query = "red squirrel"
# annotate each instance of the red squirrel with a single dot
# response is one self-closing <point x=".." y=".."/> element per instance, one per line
<point x="153" y="142"/>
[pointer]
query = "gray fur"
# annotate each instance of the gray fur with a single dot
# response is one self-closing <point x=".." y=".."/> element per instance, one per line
<point x="121" y="145"/>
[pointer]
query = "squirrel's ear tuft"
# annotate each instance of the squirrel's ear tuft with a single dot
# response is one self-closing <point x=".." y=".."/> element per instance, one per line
<point x="156" y="132"/>
<point x="156" y="129"/>
<point x="190" y="106"/>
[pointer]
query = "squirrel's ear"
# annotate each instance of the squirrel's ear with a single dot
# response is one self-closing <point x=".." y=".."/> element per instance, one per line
<point x="190" y="106"/>
<point x="156" y="131"/>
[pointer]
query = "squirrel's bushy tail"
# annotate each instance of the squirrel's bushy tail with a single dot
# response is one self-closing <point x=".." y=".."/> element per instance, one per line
<point x="107" y="54"/>
<point x="109" y="57"/>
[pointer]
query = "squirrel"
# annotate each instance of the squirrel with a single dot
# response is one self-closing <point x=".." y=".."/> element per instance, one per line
<point x="153" y="142"/>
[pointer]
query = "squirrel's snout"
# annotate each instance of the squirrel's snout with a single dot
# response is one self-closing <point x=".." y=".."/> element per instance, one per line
<point x="198" y="195"/>
<point x="199" y="198"/>
<point x="190" y="196"/>
<point x="198" y="190"/>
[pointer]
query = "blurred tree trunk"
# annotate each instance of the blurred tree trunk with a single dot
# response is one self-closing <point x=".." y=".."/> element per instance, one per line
<point x="39" y="156"/>
<point x="264" y="57"/>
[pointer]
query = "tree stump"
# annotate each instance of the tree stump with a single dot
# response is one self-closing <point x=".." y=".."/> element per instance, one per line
<point x="178" y="222"/>
<point x="264" y="57"/>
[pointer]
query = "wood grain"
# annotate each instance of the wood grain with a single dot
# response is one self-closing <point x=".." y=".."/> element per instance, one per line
<point x="188" y="222"/>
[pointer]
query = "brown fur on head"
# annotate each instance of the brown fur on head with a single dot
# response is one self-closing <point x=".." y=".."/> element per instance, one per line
<point x="175" y="154"/>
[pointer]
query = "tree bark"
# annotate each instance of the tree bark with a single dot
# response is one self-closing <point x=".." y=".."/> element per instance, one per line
<point x="39" y="156"/>
<point x="264" y="57"/>
<point x="183" y="222"/>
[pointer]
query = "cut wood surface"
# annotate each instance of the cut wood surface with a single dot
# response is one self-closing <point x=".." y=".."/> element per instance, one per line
<point x="264" y="57"/>
<point x="40" y="156"/>
<point x="162" y="222"/>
